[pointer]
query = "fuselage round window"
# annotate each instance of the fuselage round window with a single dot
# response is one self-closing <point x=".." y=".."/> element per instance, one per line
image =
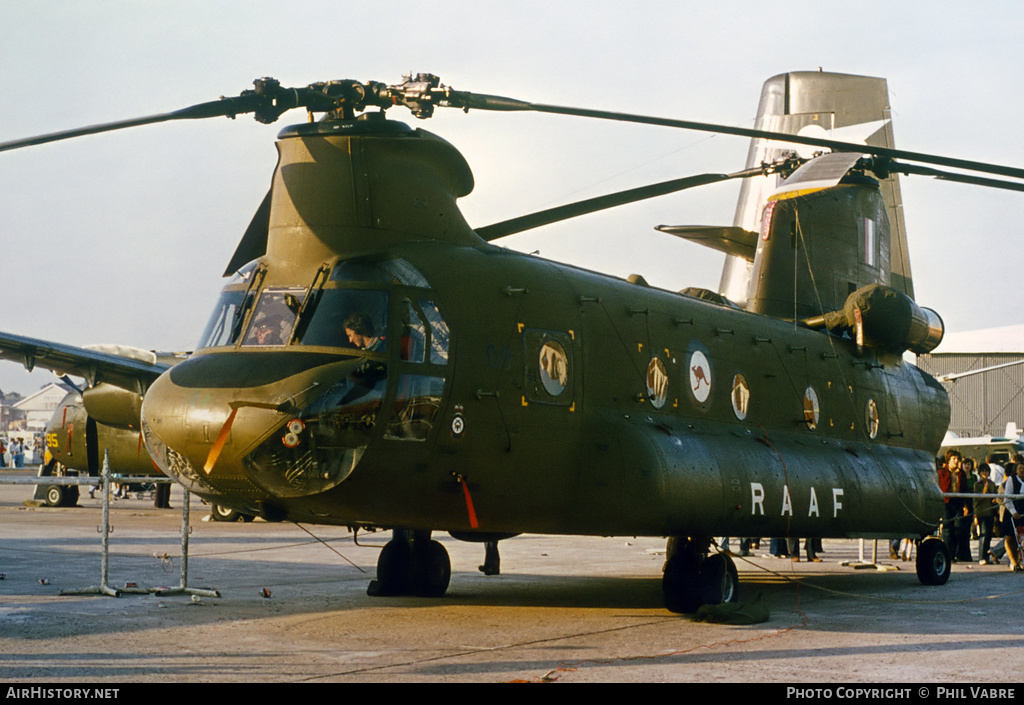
<point x="812" y="411"/>
<point x="554" y="367"/>
<point x="657" y="382"/>
<point x="740" y="396"/>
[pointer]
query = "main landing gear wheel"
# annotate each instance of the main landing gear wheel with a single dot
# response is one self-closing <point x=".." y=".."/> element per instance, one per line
<point x="222" y="513"/>
<point x="693" y="578"/>
<point x="934" y="561"/>
<point x="61" y="496"/>
<point x="393" y="569"/>
<point x="431" y="569"/>
<point x="412" y="565"/>
<point x="56" y="495"/>
<point x="719" y="580"/>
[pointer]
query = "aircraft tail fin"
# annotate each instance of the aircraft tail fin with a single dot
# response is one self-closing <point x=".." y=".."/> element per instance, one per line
<point x="839" y="106"/>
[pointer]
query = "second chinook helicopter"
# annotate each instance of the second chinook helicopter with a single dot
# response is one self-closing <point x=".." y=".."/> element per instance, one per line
<point x="104" y="419"/>
<point x="374" y="361"/>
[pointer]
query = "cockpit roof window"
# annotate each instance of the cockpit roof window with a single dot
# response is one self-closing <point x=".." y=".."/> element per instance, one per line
<point x="392" y="271"/>
<point x="404" y="272"/>
<point x="244" y="273"/>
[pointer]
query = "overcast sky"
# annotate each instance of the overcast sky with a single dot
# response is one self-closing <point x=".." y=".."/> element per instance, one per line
<point x="122" y="238"/>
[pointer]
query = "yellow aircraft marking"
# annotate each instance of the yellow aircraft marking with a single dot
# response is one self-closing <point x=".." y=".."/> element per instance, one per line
<point x="218" y="444"/>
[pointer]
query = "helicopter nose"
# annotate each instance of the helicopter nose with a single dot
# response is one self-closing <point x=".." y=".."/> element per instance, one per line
<point x="288" y="428"/>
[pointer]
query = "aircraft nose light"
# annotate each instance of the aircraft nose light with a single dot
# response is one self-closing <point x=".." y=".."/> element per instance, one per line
<point x="293" y="438"/>
<point x="319" y="447"/>
<point x="317" y="458"/>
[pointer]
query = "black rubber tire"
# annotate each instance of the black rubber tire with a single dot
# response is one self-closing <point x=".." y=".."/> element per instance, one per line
<point x="431" y="570"/>
<point x="934" y="562"/>
<point x="393" y="568"/>
<point x="222" y="513"/>
<point x="55" y="496"/>
<point x="719" y="580"/>
<point x="680" y="585"/>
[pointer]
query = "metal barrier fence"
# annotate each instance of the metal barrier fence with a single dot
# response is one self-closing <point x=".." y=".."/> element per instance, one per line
<point x="104" y="481"/>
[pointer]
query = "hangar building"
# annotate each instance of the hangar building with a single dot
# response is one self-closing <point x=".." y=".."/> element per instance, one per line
<point x="982" y="404"/>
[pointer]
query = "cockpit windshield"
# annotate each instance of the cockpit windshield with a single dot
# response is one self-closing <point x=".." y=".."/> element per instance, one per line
<point x="274" y="317"/>
<point x="345" y="307"/>
<point x="222" y="326"/>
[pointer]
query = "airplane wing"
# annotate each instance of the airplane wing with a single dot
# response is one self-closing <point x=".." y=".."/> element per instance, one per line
<point x="126" y="369"/>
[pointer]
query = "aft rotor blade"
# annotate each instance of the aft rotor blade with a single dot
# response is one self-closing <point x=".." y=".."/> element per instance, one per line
<point x="959" y="178"/>
<point x="592" y="205"/>
<point x="487" y="102"/>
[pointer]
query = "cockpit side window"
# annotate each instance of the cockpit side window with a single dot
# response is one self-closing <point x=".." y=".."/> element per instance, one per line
<point x="418" y="397"/>
<point x="414" y="333"/>
<point x="348" y="318"/>
<point x="423" y="328"/>
<point x="439" y="333"/>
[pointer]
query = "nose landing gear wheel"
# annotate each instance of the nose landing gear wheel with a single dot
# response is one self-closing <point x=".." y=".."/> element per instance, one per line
<point x="393" y="566"/>
<point x="679" y="585"/>
<point x="431" y="570"/>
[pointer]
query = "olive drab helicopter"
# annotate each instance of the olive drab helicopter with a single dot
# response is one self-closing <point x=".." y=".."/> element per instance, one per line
<point x="103" y="421"/>
<point x="374" y="361"/>
<point x="75" y="441"/>
<point x="99" y="420"/>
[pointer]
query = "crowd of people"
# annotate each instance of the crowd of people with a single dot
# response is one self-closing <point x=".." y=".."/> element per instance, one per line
<point x="991" y="521"/>
<point x="13" y="451"/>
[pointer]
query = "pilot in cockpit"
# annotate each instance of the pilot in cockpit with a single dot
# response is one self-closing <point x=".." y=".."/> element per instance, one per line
<point x="361" y="333"/>
<point x="268" y="330"/>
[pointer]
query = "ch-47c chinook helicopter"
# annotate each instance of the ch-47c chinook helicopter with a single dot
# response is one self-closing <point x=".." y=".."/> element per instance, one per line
<point x="374" y="361"/>
<point x="99" y="419"/>
<point x="103" y="420"/>
<point x="76" y="440"/>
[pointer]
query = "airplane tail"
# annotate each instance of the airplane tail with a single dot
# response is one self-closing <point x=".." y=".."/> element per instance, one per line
<point x="837" y="106"/>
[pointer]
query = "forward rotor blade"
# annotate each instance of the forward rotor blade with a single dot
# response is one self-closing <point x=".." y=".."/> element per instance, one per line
<point x="487" y="102"/>
<point x="592" y="205"/>
<point x="217" y="108"/>
<point x="267" y="101"/>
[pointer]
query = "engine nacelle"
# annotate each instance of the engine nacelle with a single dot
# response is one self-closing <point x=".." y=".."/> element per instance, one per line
<point x="880" y="316"/>
<point x="113" y="406"/>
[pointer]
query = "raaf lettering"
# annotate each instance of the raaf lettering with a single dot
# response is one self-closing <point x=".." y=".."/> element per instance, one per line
<point x="757" y="499"/>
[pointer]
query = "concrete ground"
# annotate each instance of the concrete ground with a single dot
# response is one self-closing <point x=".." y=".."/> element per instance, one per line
<point x="564" y="608"/>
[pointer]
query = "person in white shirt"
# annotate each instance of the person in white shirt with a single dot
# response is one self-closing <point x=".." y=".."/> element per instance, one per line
<point x="1010" y="513"/>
